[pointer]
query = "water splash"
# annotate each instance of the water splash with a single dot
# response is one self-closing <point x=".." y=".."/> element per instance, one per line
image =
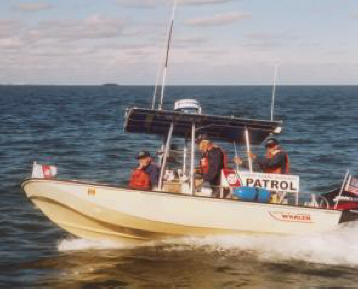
<point x="339" y="247"/>
<point x="83" y="245"/>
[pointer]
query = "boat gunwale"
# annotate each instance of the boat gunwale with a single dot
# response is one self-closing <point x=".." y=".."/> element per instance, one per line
<point x="110" y="186"/>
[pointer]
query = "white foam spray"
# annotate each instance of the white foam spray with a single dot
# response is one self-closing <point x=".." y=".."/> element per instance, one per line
<point x="336" y="247"/>
<point x="84" y="245"/>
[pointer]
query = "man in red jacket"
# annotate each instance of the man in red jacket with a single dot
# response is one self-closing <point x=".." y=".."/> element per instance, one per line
<point x="145" y="176"/>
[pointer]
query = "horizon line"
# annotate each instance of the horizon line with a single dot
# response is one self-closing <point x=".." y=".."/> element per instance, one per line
<point x="175" y="85"/>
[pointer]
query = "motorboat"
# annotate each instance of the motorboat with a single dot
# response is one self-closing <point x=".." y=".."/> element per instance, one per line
<point x="250" y="202"/>
<point x="179" y="207"/>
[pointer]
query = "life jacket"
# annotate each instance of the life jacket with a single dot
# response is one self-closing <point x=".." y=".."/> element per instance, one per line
<point x="140" y="180"/>
<point x="204" y="161"/>
<point x="204" y="165"/>
<point x="278" y="170"/>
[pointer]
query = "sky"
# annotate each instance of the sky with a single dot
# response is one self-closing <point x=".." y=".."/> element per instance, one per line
<point x="215" y="42"/>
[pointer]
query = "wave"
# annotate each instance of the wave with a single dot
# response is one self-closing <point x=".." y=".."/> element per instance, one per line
<point x="84" y="245"/>
<point x="339" y="247"/>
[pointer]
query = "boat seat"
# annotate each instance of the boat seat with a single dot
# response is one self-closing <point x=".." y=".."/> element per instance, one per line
<point x="172" y="186"/>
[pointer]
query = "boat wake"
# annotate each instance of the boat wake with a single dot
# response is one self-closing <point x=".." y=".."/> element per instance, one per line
<point x="83" y="245"/>
<point x="339" y="247"/>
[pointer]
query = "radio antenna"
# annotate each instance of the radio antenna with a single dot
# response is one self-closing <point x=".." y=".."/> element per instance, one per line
<point x="165" y="66"/>
<point x="274" y="91"/>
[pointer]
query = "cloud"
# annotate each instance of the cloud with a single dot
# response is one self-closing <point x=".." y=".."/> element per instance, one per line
<point x="218" y="20"/>
<point x="10" y="43"/>
<point x="92" y="27"/>
<point x="9" y="27"/>
<point x="189" y="41"/>
<point x="265" y="40"/>
<point x="32" y="6"/>
<point x="140" y="3"/>
<point x="202" y="2"/>
<point x="156" y="3"/>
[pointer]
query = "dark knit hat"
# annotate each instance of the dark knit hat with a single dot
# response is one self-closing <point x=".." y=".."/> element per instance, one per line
<point x="142" y="154"/>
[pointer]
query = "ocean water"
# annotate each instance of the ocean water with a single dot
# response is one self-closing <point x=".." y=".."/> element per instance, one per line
<point x="80" y="129"/>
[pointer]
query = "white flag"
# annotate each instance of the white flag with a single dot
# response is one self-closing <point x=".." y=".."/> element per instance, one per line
<point x="40" y="171"/>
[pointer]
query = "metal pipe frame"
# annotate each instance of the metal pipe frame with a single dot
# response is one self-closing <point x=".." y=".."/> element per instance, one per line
<point x="346" y="179"/>
<point x="165" y="156"/>
<point x="248" y="149"/>
<point x="192" y="173"/>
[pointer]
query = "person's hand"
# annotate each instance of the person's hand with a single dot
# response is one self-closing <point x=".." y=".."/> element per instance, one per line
<point x="198" y="171"/>
<point x="238" y="161"/>
<point x="252" y="155"/>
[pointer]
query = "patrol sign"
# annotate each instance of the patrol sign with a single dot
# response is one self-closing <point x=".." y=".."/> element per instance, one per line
<point x="271" y="182"/>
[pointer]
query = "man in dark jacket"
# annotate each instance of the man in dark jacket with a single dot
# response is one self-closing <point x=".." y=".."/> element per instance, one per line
<point x="215" y="163"/>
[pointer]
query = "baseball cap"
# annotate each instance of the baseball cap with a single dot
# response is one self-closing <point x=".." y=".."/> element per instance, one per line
<point x="271" y="141"/>
<point x="201" y="137"/>
<point x="142" y="154"/>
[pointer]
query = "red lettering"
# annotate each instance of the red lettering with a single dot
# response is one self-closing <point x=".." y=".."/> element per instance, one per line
<point x="289" y="217"/>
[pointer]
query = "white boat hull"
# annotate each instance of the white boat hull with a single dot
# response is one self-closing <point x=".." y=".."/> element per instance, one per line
<point x="94" y="211"/>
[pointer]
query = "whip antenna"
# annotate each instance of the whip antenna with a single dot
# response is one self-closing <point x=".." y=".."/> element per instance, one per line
<point x="165" y="67"/>
<point x="274" y="91"/>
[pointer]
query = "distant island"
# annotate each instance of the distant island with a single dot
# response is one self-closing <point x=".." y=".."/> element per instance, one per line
<point x="110" y="84"/>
